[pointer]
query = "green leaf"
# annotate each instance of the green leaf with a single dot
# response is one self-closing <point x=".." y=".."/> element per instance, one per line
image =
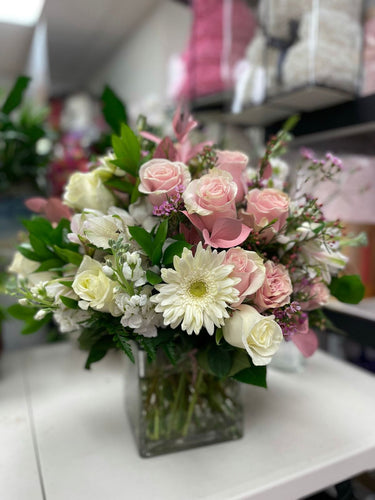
<point x="15" y="96"/>
<point x="291" y="123"/>
<point x="135" y="194"/>
<point x="218" y="335"/>
<point x="159" y="240"/>
<point x="148" y="346"/>
<point x="114" y="110"/>
<point x="241" y="361"/>
<point x="143" y="238"/>
<point x="124" y="344"/>
<point x="50" y="264"/>
<point x="127" y="150"/>
<point x="99" y="350"/>
<point x="170" y="351"/>
<point x="22" y="312"/>
<point x="68" y="302"/>
<point x="40" y="227"/>
<point x="153" y="278"/>
<point x="173" y="249"/>
<point x="219" y="361"/>
<point x="34" y="325"/>
<point x="40" y="247"/>
<point x="67" y="283"/>
<point x="120" y="185"/>
<point x="68" y="255"/>
<point x="26" y="251"/>
<point x="348" y="289"/>
<point x="254" y="375"/>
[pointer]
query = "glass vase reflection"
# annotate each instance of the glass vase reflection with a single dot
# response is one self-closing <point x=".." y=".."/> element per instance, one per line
<point x="177" y="407"/>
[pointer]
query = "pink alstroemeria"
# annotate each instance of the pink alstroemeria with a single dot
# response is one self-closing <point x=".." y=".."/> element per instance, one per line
<point x="183" y="151"/>
<point x="225" y="233"/>
<point x="53" y="208"/>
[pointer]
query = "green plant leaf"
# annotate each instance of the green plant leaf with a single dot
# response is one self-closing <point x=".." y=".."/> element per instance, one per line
<point x="348" y="289"/>
<point x="254" y="375"/>
<point x="120" y="185"/>
<point x="48" y="264"/>
<point x="153" y="278"/>
<point x="123" y="343"/>
<point x="219" y="361"/>
<point x="68" y="302"/>
<point x="68" y="255"/>
<point x="26" y="250"/>
<point x="127" y="150"/>
<point x="241" y="361"/>
<point x="159" y="240"/>
<point x="99" y="350"/>
<point x="173" y="249"/>
<point x="40" y="227"/>
<point x="22" y="312"/>
<point x="34" y="325"/>
<point x="15" y="96"/>
<point x="143" y="238"/>
<point x="114" y="110"/>
<point x="40" y="247"/>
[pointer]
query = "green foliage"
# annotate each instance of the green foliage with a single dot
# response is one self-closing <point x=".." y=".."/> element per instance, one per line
<point x="98" y="350"/>
<point x="349" y="289"/>
<point x="254" y="375"/>
<point x="21" y="127"/>
<point x="114" y="109"/>
<point x="48" y="245"/>
<point x="127" y="151"/>
<point x="26" y="314"/>
<point x="15" y="96"/>
<point x="68" y="302"/>
<point x="219" y="361"/>
<point x="174" y="249"/>
<point x="153" y="278"/>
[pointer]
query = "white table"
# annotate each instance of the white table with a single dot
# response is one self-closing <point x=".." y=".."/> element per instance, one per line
<point x="307" y="431"/>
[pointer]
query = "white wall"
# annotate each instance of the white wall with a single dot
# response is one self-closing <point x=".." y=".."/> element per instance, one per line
<point x="139" y="67"/>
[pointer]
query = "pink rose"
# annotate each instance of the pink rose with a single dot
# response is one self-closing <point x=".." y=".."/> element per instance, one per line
<point x="160" y="178"/>
<point x="249" y="267"/>
<point x="235" y="163"/>
<point x="276" y="289"/>
<point x="212" y="197"/>
<point x="264" y="206"/>
<point x="314" y="295"/>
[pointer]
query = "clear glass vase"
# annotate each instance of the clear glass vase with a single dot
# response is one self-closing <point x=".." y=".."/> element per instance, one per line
<point x="173" y="408"/>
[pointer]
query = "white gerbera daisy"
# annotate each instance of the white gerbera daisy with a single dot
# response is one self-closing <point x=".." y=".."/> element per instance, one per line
<point x="197" y="292"/>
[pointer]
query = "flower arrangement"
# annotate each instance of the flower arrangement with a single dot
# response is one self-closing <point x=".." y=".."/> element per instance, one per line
<point x="184" y="249"/>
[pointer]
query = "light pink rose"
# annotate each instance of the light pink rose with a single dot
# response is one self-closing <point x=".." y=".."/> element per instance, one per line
<point x="212" y="197"/>
<point x="160" y="178"/>
<point x="264" y="206"/>
<point x="317" y="294"/>
<point x="235" y="163"/>
<point x="249" y="267"/>
<point x="276" y="289"/>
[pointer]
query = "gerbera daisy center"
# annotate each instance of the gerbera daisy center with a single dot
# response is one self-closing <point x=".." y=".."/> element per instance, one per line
<point x="198" y="288"/>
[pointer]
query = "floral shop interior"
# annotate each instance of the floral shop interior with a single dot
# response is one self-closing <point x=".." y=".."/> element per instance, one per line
<point x="187" y="249"/>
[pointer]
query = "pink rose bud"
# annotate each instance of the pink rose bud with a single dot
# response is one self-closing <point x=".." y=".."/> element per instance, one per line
<point x="212" y="197"/>
<point x="160" y="178"/>
<point x="276" y="289"/>
<point x="235" y="163"/>
<point x="264" y="206"/>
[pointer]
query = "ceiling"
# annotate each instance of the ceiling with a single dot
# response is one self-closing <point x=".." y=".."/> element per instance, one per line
<point x="82" y="36"/>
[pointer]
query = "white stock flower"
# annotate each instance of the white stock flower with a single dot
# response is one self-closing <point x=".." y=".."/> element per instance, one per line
<point x="141" y="212"/>
<point x="197" y="292"/>
<point x="139" y="313"/>
<point x="55" y="289"/>
<point x="69" y="320"/>
<point x="259" y="335"/>
<point x="94" y="288"/>
<point x="86" y="190"/>
<point x="132" y="268"/>
<point x="280" y="171"/>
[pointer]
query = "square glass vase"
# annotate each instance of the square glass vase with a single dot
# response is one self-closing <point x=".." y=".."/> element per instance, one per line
<point x="177" y="407"/>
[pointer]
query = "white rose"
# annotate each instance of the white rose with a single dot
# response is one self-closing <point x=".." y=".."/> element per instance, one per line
<point x="94" y="287"/>
<point x="259" y="335"/>
<point x="86" y="190"/>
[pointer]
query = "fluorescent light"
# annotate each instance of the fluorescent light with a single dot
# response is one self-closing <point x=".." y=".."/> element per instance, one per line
<point x="25" y="12"/>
